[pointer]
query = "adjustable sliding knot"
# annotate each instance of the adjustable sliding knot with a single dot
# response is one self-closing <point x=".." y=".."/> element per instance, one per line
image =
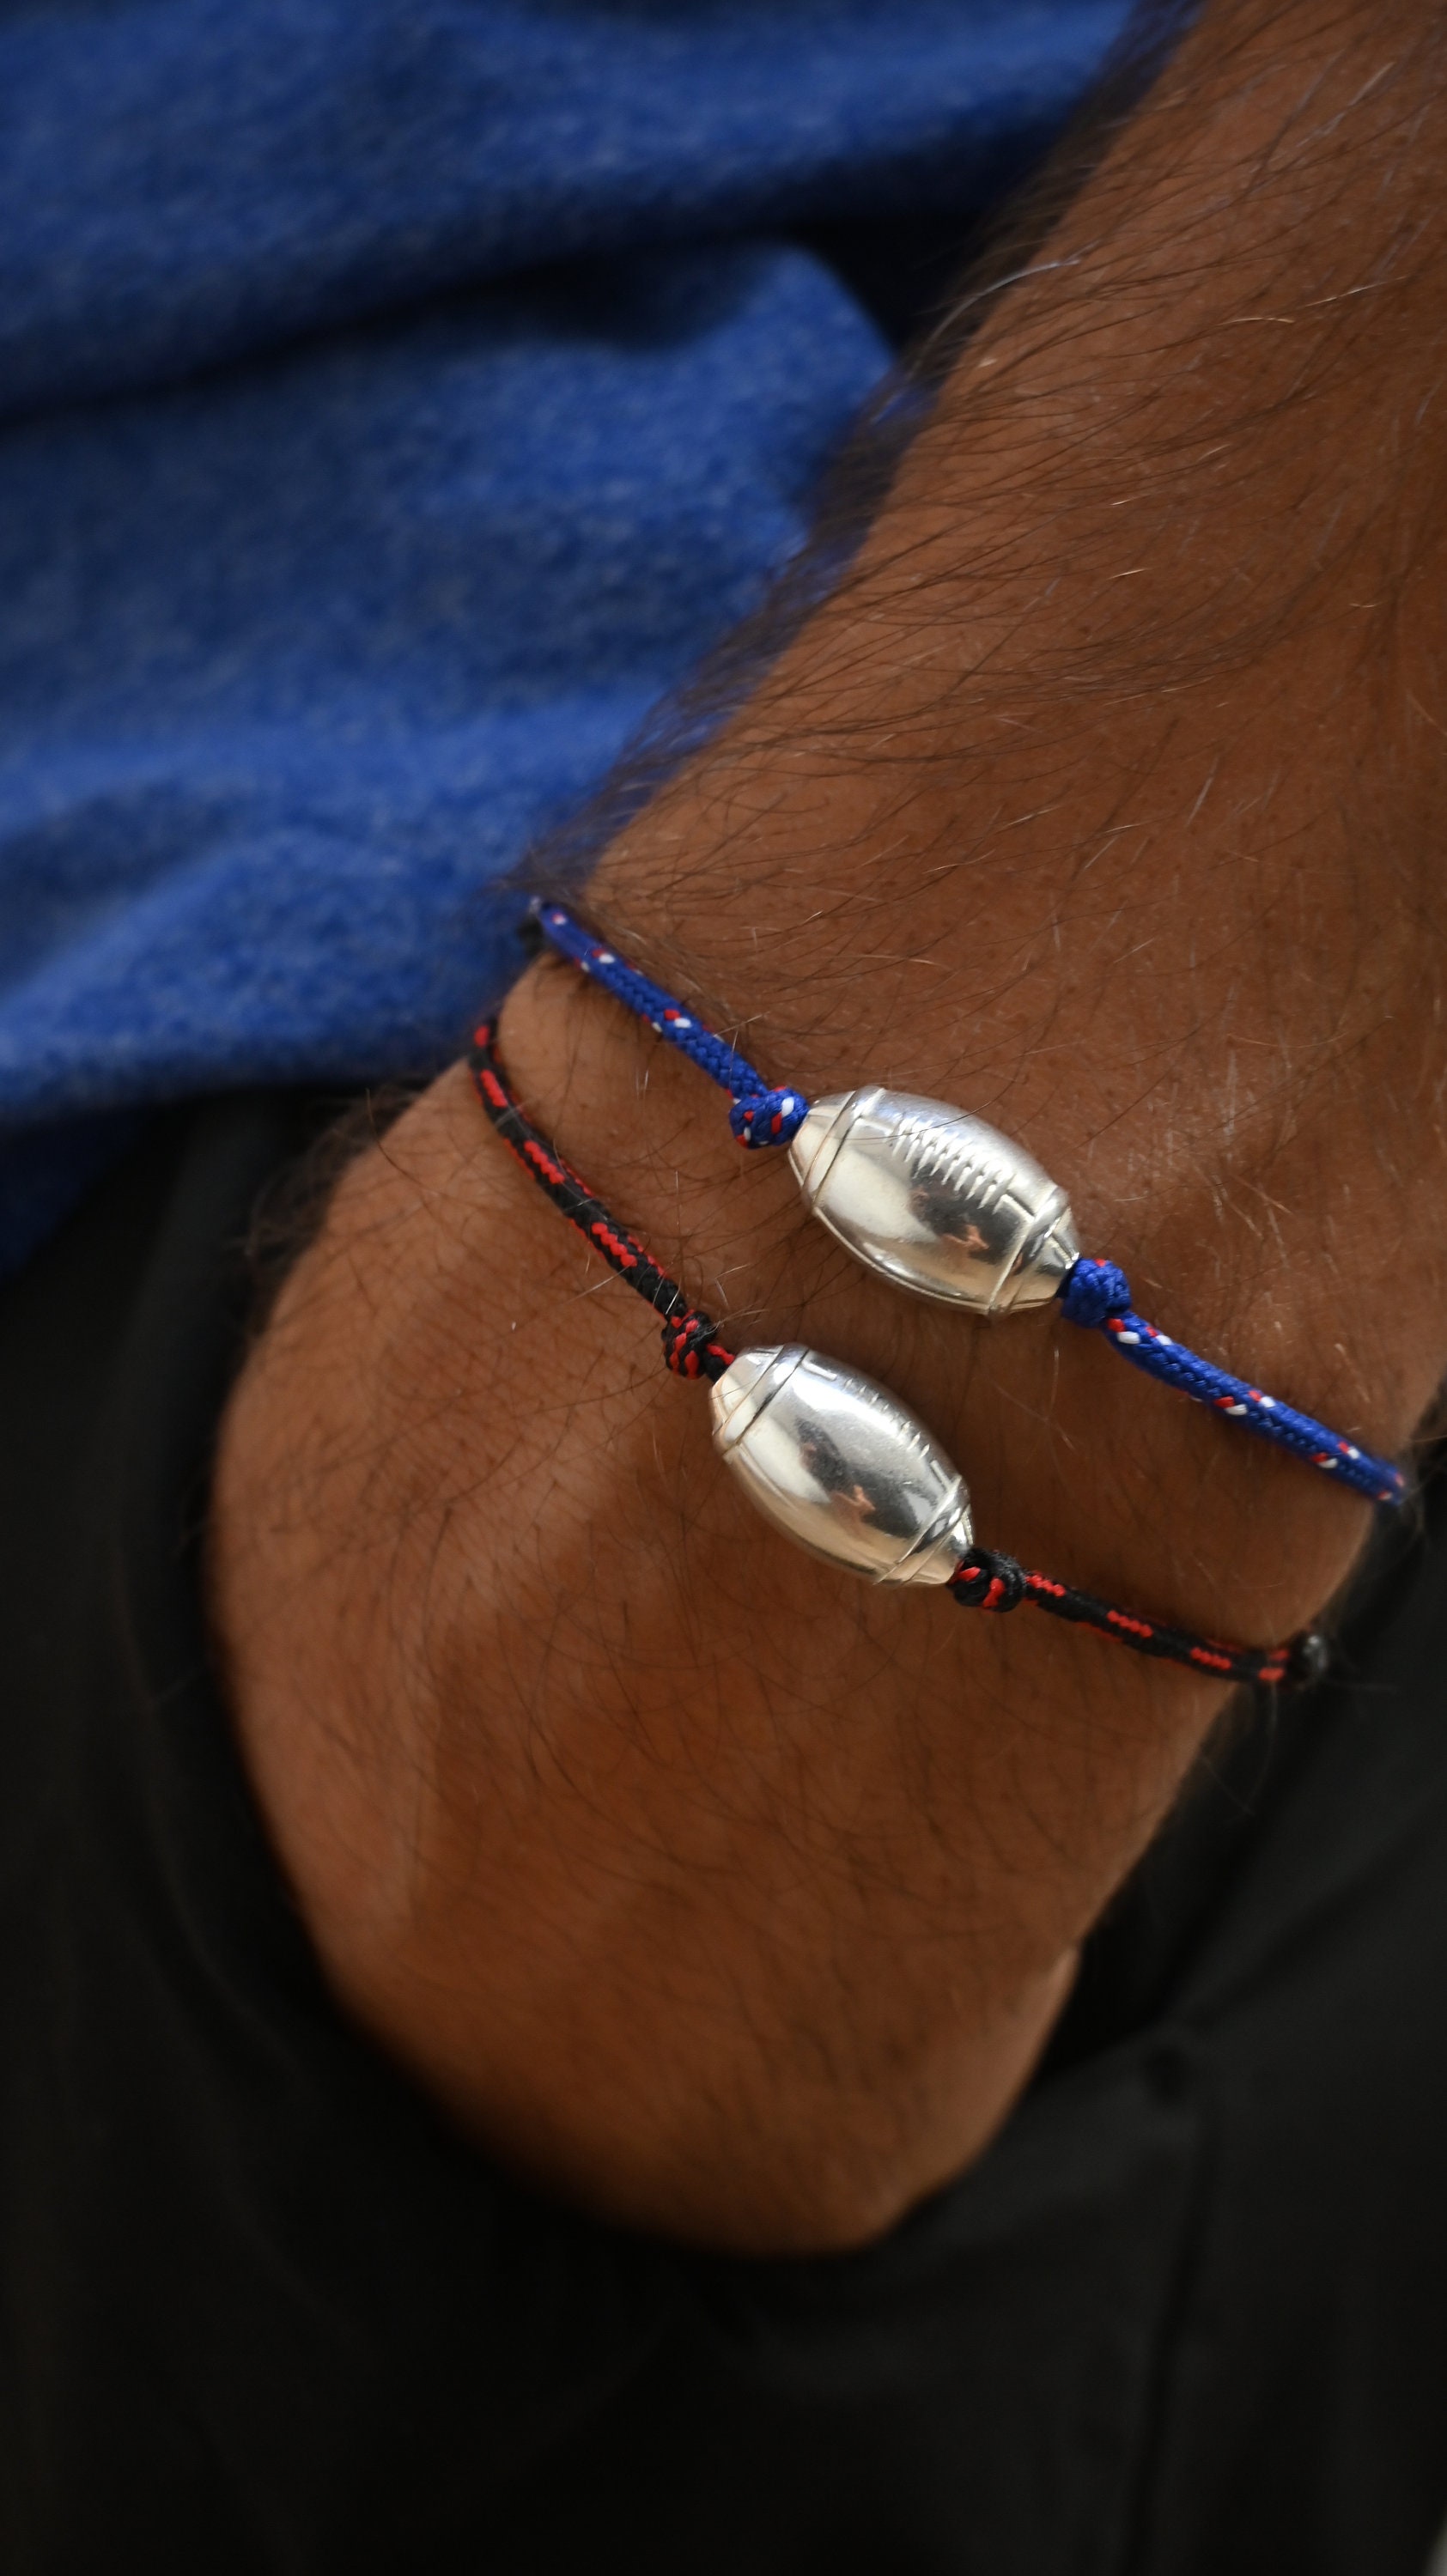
<point x="1093" y="1291"/>
<point x="768" y="1117"/>
<point x="988" y="1580"/>
<point x="692" y="1348"/>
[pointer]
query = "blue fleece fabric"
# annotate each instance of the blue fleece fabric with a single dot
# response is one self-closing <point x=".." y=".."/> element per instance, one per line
<point x="399" y="395"/>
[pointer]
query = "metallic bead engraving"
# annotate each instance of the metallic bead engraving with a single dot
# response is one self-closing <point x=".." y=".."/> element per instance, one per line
<point x="935" y="1199"/>
<point x="841" y="1466"/>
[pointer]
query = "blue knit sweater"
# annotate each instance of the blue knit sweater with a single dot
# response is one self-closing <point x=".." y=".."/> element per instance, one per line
<point x="396" y="396"/>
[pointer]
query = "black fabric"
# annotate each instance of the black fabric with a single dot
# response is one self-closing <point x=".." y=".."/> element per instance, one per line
<point x="903" y="272"/>
<point x="261" y="2312"/>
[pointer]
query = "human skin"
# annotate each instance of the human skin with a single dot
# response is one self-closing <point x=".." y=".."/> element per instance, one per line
<point x="722" y="1893"/>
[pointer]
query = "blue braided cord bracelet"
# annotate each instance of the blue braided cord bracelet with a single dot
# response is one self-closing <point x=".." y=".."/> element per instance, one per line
<point x="1097" y="1293"/>
<point x="1092" y="1293"/>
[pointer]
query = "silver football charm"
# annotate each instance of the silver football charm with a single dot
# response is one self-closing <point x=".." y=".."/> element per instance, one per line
<point x="841" y="1466"/>
<point x="935" y="1199"/>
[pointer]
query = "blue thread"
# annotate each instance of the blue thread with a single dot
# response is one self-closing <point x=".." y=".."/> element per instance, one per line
<point x="1096" y="1293"/>
<point x="759" y="1116"/>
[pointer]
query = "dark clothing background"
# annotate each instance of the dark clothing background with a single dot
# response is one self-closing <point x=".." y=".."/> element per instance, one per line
<point x="262" y="2313"/>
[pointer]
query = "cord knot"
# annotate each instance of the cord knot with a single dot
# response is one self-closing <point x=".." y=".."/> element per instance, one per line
<point x="988" y="1580"/>
<point x="1308" y="1660"/>
<point x="768" y="1117"/>
<point x="692" y="1348"/>
<point x="1093" y="1291"/>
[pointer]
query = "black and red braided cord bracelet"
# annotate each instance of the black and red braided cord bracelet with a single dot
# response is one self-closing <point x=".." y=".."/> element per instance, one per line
<point x="837" y="1462"/>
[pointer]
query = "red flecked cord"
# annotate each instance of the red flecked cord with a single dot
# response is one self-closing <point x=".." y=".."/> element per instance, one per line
<point x="694" y="1348"/>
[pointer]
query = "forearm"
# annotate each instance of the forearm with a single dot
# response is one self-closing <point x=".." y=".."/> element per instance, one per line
<point x="1103" y="796"/>
<point x="1096" y="799"/>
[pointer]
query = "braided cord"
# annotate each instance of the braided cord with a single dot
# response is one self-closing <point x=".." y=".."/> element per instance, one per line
<point x="1096" y="1293"/>
<point x="692" y="1348"/>
<point x="759" y="1116"/>
<point x="691" y="1345"/>
<point x="988" y="1580"/>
